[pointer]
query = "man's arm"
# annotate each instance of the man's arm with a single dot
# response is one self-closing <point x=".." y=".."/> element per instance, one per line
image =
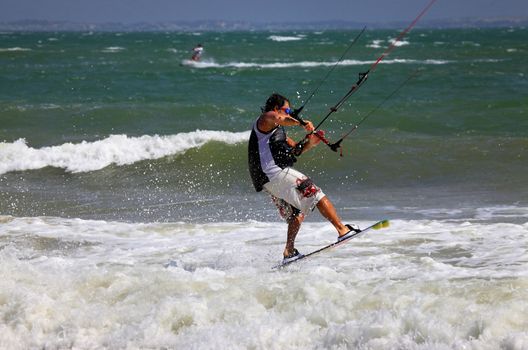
<point x="270" y="120"/>
<point x="306" y="144"/>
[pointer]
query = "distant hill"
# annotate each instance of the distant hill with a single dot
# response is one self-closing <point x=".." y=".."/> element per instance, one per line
<point x="41" y="25"/>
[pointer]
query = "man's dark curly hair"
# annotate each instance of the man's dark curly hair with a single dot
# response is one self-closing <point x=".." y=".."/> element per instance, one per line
<point x="274" y="101"/>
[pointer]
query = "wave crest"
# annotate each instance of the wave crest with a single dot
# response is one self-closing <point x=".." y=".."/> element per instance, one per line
<point x="286" y="38"/>
<point x="307" y="64"/>
<point x="115" y="149"/>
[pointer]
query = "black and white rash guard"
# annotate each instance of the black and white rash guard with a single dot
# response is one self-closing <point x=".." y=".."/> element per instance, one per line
<point x="268" y="154"/>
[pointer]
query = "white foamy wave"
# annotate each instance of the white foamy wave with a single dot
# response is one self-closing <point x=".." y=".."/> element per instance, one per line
<point x="209" y="63"/>
<point x="286" y="38"/>
<point x="411" y="61"/>
<point x="488" y="60"/>
<point x="414" y="285"/>
<point x="399" y="43"/>
<point x="305" y="64"/>
<point x="112" y="49"/>
<point x="115" y="149"/>
<point x="375" y="44"/>
<point x="14" y="49"/>
<point x="501" y="212"/>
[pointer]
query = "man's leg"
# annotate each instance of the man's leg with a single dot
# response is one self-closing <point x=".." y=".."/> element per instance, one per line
<point x="294" y="224"/>
<point x="327" y="209"/>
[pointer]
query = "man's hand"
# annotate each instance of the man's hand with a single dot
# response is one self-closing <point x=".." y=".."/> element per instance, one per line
<point x="316" y="137"/>
<point x="308" y="126"/>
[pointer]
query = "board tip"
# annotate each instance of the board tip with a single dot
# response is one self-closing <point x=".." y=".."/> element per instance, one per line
<point x="381" y="224"/>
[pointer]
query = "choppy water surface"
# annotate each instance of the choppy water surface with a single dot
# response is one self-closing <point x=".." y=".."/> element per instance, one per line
<point x="128" y="220"/>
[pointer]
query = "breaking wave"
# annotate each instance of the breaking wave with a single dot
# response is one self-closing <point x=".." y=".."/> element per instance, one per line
<point x="306" y="64"/>
<point x="115" y="149"/>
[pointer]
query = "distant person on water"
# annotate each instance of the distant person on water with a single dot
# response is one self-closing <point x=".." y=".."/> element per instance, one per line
<point x="271" y="154"/>
<point x="197" y="52"/>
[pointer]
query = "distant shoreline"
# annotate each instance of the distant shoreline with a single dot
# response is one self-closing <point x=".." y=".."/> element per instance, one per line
<point x="44" y="25"/>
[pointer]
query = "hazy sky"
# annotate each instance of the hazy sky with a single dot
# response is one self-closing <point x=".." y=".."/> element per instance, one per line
<point x="128" y="11"/>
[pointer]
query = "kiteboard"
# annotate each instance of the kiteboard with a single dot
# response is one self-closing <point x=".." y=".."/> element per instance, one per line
<point x="378" y="225"/>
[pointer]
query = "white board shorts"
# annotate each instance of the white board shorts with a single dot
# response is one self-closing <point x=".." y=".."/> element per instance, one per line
<point x="285" y="184"/>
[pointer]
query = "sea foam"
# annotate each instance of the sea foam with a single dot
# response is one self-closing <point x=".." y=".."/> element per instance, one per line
<point x="285" y="38"/>
<point x="306" y="64"/>
<point x="115" y="149"/>
<point x="71" y="283"/>
<point x="13" y="49"/>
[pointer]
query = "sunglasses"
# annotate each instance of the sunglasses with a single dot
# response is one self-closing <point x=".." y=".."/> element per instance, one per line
<point x="286" y="110"/>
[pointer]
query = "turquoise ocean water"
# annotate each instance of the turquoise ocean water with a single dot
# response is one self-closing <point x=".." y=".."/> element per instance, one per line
<point x="122" y="160"/>
<point x="455" y="133"/>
